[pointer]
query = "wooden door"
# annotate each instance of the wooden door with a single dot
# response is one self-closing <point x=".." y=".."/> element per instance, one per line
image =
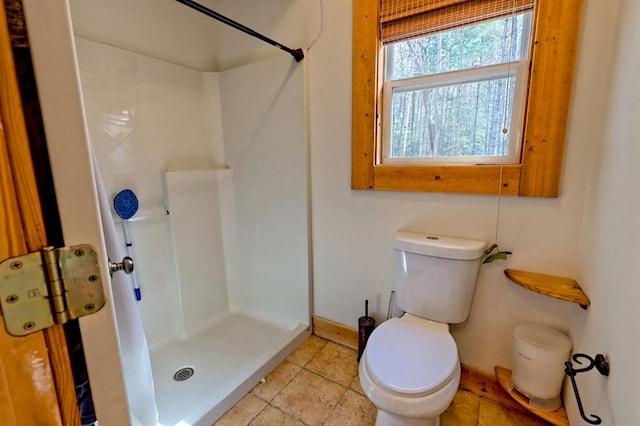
<point x="36" y="384"/>
<point x="51" y="43"/>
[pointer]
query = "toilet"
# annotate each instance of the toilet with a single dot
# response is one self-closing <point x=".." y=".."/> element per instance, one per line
<point x="410" y="369"/>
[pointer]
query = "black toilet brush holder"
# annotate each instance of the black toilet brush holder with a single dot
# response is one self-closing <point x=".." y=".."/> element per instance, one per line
<point x="366" y="324"/>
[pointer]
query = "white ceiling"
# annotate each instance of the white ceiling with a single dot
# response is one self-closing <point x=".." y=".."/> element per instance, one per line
<point x="171" y="31"/>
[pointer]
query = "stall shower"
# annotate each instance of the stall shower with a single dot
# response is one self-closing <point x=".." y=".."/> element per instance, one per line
<point x="219" y="164"/>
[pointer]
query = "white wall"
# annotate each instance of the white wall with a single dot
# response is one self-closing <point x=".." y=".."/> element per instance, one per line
<point x="609" y="251"/>
<point x="352" y="229"/>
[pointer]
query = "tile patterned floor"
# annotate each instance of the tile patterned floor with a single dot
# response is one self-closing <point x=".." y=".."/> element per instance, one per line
<point x="318" y="385"/>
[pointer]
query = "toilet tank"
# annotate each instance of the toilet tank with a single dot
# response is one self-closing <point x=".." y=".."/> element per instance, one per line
<point x="435" y="276"/>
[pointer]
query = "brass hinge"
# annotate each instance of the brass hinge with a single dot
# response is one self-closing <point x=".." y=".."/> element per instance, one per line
<point x="48" y="287"/>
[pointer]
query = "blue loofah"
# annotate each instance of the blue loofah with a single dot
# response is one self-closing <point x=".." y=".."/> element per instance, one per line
<point x="125" y="203"/>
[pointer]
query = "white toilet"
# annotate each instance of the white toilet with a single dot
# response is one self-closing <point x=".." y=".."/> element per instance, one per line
<point x="410" y="368"/>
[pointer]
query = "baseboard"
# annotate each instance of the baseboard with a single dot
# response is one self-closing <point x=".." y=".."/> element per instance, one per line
<point x="335" y="332"/>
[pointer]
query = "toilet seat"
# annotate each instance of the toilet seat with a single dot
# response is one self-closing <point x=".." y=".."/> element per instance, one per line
<point x="411" y="357"/>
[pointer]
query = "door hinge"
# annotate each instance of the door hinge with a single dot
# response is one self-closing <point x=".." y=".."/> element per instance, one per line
<point x="51" y="286"/>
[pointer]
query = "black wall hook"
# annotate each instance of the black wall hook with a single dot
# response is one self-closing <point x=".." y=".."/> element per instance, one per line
<point x="601" y="364"/>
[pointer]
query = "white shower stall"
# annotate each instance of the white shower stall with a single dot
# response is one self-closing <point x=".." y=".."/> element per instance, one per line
<point x="219" y="163"/>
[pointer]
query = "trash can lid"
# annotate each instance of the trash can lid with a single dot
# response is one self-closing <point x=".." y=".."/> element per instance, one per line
<point x="543" y="337"/>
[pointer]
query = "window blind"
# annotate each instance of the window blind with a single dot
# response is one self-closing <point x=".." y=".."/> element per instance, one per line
<point x="404" y="19"/>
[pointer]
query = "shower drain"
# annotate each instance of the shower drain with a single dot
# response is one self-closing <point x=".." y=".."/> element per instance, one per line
<point x="183" y="374"/>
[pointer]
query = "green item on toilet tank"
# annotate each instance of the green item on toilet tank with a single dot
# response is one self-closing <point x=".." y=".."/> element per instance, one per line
<point x="501" y="255"/>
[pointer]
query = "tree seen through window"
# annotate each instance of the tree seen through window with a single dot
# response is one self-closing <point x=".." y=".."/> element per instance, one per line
<point x="451" y="94"/>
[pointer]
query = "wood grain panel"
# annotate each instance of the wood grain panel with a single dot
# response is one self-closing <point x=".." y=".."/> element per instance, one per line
<point x="486" y="385"/>
<point x="556" y="31"/>
<point x="335" y="332"/>
<point x="18" y="145"/>
<point x="454" y="179"/>
<point x="566" y="289"/>
<point x="366" y="46"/>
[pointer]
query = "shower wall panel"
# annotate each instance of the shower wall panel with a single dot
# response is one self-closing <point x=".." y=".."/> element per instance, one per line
<point x="144" y="116"/>
<point x="193" y="201"/>
<point x="265" y="144"/>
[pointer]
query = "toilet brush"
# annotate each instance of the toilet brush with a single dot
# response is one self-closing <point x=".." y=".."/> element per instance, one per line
<point x="366" y="324"/>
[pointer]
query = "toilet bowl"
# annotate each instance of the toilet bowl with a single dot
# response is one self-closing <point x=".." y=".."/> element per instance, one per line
<point x="410" y="371"/>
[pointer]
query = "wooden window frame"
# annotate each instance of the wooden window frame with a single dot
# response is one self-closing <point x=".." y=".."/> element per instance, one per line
<point x="556" y="28"/>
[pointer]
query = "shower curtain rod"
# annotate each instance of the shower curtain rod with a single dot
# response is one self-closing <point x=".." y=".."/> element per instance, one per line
<point x="297" y="54"/>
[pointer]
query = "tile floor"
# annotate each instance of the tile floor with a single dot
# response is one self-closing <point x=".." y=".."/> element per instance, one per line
<point x="318" y="385"/>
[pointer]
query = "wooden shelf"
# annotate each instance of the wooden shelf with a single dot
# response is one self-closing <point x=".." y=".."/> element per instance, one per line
<point x="557" y="417"/>
<point x="565" y="289"/>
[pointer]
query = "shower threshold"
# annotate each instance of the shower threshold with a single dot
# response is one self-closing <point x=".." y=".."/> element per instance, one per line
<point x="227" y="360"/>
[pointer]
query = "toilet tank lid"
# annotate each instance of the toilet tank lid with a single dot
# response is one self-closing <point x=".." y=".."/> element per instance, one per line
<point x="438" y="246"/>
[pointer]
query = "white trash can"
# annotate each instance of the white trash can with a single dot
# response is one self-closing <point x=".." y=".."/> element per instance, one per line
<point x="539" y="354"/>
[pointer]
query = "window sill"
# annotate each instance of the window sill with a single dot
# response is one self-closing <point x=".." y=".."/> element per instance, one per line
<point x="462" y="179"/>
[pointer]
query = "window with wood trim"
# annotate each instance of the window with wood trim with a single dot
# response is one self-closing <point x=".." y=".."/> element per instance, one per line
<point x="382" y="157"/>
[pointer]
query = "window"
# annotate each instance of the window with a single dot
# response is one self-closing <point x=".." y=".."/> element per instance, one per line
<point x="457" y="96"/>
<point x="447" y="96"/>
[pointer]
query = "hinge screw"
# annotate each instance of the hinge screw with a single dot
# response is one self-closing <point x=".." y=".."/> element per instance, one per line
<point x="12" y="299"/>
<point x="16" y="265"/>
<point x="29" y="325"/>
<point x="89" y="307"/>
<point x="79" y="252"/>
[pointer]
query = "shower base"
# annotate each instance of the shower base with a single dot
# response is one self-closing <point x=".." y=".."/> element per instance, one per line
<point x="228" y="360"/>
